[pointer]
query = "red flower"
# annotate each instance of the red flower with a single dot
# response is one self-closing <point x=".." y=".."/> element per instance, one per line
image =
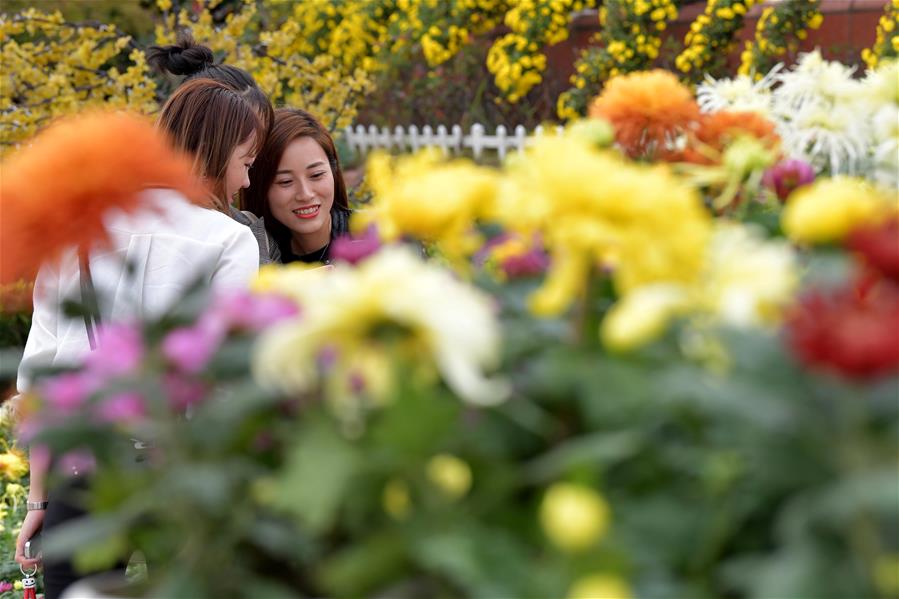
<point x="853" y="331"/>
<point x="879" y="246"/>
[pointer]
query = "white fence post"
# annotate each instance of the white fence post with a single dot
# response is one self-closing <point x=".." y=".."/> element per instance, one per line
<point x="451" y="141"/>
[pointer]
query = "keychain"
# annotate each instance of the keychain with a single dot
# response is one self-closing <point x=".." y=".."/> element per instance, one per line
<point x="28" y="583"/>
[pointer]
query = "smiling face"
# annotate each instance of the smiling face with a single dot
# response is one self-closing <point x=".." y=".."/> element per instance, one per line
<point x="237" y="175"/>
<point x="302" y="193"/>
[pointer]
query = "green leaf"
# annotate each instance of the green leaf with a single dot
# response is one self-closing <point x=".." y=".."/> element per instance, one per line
<point x="318" y="471"/>
<point x="366" y="565"/>
<point x="594" y="449"/>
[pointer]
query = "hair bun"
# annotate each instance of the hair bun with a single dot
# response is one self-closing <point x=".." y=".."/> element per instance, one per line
<point x="186" y="57"/>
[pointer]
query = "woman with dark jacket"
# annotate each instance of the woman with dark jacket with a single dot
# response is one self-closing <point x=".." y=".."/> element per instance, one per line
<point x="297" y="187"/>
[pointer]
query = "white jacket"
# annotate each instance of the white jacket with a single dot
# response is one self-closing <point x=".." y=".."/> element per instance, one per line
<point x="169" y="244"/>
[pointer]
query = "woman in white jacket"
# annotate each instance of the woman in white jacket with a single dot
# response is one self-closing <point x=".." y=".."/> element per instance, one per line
<point x="154" y="254"/>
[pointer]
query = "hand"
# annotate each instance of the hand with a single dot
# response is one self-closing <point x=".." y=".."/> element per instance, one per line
<point x="34" y="521"/>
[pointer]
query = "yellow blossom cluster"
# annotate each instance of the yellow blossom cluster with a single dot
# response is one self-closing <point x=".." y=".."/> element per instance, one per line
<point x="630" y="31"/>
<point x="320" y="82"/>
<point x="458" y="193"/>
<point x="52" y="67"/>
<point x="516" y="59"/>
<point x="711" y="36"/>
<point x="639" y="222"/>
<point x="779" y="30"/>
<point x="886" y="44"/>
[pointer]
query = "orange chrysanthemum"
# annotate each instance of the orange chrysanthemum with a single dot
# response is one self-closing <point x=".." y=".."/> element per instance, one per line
<point x="718" y="129"/>
<point x="54" y="192"/>
<point x="648" y="110"/>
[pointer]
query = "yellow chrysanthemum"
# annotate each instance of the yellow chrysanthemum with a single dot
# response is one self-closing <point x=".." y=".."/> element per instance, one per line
<point x="392" y="305"/>
<point x="746" y="281"/>
<point x="591" y="208"/>
<point x="829" y="209"/>
<point x="574" y="517"/>
<point x="427" y="198"/>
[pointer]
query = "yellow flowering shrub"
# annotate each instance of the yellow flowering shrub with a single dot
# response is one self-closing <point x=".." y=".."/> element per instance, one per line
<point x="286" y="63"/>
<point x="630" y="34"/>
<point x="516" y="59"/>
<point x="711" y="37"/>
<point x="778" y="31"/>
<point x="886" y="44"/>
<point x="52" y="67"/>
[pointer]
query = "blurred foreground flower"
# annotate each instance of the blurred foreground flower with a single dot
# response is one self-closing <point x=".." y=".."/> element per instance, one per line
<point x="746" y="281"/>
<point x="450" y="474"/>
<point x="829" y="209"/>
<point x="879" y="247"/>
<point x="600" y="586"/>
<point x="574" y="517"/>
<point x="851" y="330"/>
<point x="353" y="319"/>
<point x="428" y="198"/>
<point x="56" y="190"/>
<point x="592" y="208"/>
<point x="787" y="176"/>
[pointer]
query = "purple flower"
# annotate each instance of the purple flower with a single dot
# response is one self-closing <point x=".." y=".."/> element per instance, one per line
<point x="787" y="176"/>
<point x="530" y="264"/>
<point x="355" y="249"/>
<point x="123" y="408"/>
<point x="521" y="259"/>
<point x="243" y="310"/>
<point x="190" y="348"/>
<point x="120" y="350"/>
<point x="183" y="392"/>
<point x="67" y="392"/>
<point x="6" y="586"/>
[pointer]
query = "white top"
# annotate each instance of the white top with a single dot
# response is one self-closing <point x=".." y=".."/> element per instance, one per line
<point x="169" y="244"/>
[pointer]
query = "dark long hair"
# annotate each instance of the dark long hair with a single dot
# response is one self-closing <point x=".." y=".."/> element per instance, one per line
<point x="191" y="60"/>
<point x="291" y="124"/>
<point x="208" y="120"/>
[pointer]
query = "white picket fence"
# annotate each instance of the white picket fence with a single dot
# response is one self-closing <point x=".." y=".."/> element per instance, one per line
<point x="362" y="139"/>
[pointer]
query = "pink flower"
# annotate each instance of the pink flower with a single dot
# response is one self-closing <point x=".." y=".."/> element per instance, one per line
<point x="355" y="249"/>
<point x="190" y="348"/>
<point x="67" y="392"/>
<point x="77" y="462"/>
<point x="183" y="392"/>
<point x="123" y="408"/>
<point x="120" y="350"/>
<point x="6" y="586"/>
<point x="246" y="311"/>
<point x="787" y="176"/>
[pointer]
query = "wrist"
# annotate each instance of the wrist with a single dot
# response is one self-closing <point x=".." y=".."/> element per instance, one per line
<point x="32" y="506"/>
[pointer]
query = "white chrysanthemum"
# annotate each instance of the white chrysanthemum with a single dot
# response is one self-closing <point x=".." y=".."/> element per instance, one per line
<point x="739" y="93"/>
<point x="831" y="138"/>
<point x="748" y="279"/>
<point x="885" y="159"/>
<point x="814" y="81"/>
<point x="433" y="315"/>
